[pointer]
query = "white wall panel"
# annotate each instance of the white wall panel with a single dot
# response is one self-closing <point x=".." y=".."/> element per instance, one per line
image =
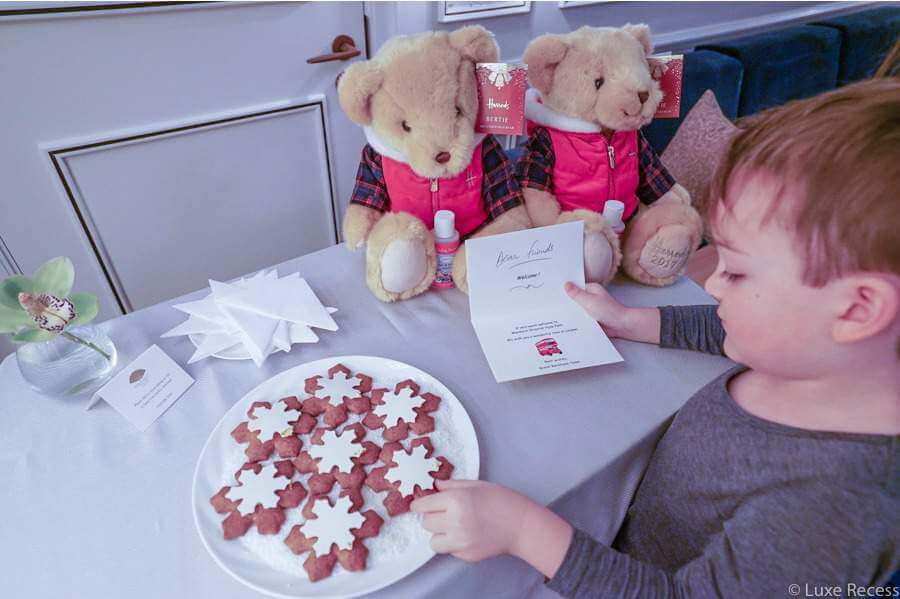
<point x="78" y="76"/>
<point x="169" y="209"/>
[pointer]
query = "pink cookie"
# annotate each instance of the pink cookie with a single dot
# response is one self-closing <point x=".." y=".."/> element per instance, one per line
<point x="402" y="410"/>
<point x="418" y="464"/>
<point x="270" y="427"/>
<point x="321" y="566"/>
<point x="336" y="394"/>
<point x="269" y="487"/>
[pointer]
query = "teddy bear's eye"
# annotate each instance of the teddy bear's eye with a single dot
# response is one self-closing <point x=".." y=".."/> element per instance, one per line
<point x="598" y="83"/>
<point x="458" y="111"/>
<point x="405" y="127"/>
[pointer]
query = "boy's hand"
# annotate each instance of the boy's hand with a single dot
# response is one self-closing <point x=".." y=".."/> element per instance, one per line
<point x="618" y="320"/>
<point x="600" y="306"/>
<point x="474" y="520"/>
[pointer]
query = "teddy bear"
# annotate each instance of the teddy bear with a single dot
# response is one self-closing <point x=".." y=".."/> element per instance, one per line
<point x="417" y="102"/>
<point x="591" y="92"/>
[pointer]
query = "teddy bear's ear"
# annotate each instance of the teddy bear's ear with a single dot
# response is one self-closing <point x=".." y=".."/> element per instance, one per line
<point x="542" y="56"/>
<point x="356" y="86"/>
<point x="476" y="44"/>
<point x="641" y="32"/>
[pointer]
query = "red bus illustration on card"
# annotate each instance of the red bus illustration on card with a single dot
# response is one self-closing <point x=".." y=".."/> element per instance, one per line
<point x="548" y="347"/>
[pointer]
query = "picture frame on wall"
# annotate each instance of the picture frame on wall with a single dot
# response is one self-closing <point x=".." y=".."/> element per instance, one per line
<point x="571" y="3"/>
<point x="452" y="11"/>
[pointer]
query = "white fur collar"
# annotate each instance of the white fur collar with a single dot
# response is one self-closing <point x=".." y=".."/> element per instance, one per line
<point x="384" y="148"/>
<point x="540" y="114"/>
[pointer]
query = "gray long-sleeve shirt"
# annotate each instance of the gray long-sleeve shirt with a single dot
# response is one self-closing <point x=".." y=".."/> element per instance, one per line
<point x="735" y="506"/>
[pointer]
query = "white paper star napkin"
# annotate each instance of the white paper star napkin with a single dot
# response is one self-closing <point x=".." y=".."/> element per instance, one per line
<point x="259" y="315"/>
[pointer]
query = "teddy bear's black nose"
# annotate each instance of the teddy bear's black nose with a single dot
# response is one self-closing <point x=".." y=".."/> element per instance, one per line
<point x="442" y="157"/>
<point x="642" y="96"/>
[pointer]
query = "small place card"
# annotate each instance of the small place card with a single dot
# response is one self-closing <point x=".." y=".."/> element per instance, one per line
<point x="146" y="388"/>
<point x="501" y="97"/>
<point x="670" y="84"/>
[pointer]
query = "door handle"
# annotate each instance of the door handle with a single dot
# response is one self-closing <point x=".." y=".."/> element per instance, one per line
<point x="342" y="48"/>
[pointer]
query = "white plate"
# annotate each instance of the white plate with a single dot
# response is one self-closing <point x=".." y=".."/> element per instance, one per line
<point x="410" y="547"/>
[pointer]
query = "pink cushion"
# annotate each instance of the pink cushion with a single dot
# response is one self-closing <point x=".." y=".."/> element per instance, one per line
<point x="700" y="141"/>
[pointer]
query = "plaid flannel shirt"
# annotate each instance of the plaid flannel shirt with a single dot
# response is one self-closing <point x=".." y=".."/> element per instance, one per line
<point x="535" y="168"/>
<point x="500" y="190"/>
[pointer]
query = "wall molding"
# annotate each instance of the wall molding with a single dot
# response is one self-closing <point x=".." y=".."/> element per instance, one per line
<point x="687" y="39"/>
<point x="8" y="261"/>
<point x="57" y="153"/>
<point x="45" y="10"/>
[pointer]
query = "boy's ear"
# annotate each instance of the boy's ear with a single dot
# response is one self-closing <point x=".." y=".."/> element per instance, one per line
<point x="871" y="305"/>
<point x="542" y="56"/>
<point x="642" y="33"/>
<point x="356" y="86"/>
<point x="475" y="43"/>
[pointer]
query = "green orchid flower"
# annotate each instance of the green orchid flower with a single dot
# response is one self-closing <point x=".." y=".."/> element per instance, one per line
<point x="43" y="306"/>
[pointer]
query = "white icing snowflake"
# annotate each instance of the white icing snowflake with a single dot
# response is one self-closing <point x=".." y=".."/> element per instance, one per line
<point x="336" y="451"/>
<point x="257" y="488"/>
<point x="413" y="470"/>
<point x="337" y="388"/>
<point x="332" y="525"/>
<point x="269" y="421"/>
<point x="397" y="406"/>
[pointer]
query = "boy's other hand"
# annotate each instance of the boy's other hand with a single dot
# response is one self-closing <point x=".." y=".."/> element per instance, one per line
<point x="600" y="306"/>
<point x="474" y="520"/>
<point x="618" y="320"/>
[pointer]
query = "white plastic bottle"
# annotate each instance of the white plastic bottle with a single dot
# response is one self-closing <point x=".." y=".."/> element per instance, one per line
<point x="612" y="212"/>
<point x="446" y="243"/>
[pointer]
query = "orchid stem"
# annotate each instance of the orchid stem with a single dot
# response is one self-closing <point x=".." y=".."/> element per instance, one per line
<point x="72" y="337"/>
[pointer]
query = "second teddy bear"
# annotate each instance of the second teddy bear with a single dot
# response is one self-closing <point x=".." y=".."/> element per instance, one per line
<point x="592" y="90"/>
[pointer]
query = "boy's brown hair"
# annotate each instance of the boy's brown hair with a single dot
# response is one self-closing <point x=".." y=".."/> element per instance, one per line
<point x="837" y="160"/>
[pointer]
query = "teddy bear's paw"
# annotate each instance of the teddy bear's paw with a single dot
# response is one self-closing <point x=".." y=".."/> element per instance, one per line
<point x="403" y="265"/>
<point x="602" y="254"/>
<point x="664" y="255"/>
<point x="460" y="270"/>
<point x="599" y="258"/>
<point x="400" y="257"/>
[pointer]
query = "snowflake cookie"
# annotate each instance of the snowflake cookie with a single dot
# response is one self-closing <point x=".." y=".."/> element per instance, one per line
<point x="260" y="497"/>
<point x="408" y="473"/>
<point x="333" y="533"/>
<point x="336" y="394"/>
<point x="337" y="457"/>
<point x="272" y="426"/>
<point x="401" y="411"/>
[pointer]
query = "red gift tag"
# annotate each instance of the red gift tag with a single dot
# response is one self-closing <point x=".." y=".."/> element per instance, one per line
<point x="501" y="97"/>
<point x="670" y="84"/>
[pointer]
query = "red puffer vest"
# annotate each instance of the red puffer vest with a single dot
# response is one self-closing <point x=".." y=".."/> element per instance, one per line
<point x="588" y="167"/>
<point x="422" y="197"/>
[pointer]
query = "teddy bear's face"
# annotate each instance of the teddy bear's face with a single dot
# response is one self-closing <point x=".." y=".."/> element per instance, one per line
<point x="419" y="96"/>
<point x="597" y="74"/>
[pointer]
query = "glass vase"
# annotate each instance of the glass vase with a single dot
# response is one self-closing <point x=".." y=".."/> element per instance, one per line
<point x="64" y="366"/>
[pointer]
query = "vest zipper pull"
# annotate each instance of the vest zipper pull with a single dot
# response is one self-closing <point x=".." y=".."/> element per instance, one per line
<point x="434" y="185"/>
<point x="612" y="156"/>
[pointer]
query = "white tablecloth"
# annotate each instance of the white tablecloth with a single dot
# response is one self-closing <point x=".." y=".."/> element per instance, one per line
<point x="91" y="508"/>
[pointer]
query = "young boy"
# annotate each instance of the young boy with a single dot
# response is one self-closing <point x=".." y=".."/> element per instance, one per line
<point x="784" y="471"/>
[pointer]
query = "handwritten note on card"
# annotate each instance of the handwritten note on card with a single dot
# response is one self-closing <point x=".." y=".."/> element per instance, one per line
<point x="526" y="323"/>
